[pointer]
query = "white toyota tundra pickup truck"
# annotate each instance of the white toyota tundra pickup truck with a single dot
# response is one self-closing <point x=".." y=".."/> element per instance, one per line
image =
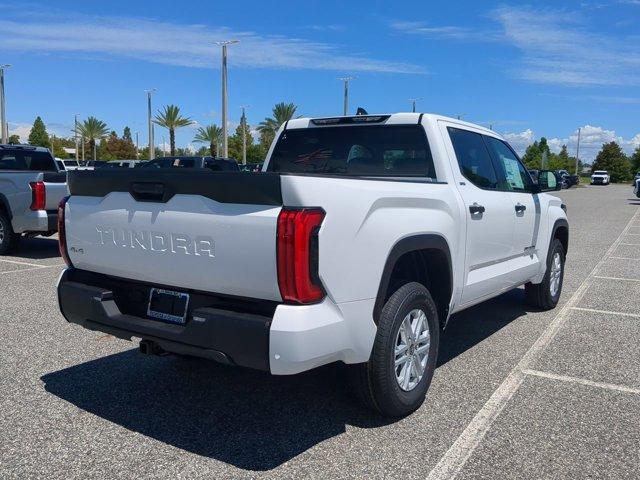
<point x="355" y="244"/>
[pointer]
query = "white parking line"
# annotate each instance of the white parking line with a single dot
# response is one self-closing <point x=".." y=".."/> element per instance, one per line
<point x="618" y="278"/>
<point x="582" y="381"/>
<point x="459" y="452"/>
<point x="606" y="312"/>
<point x="624" y="258"/>
<point x="20" y="263"/>
<point x="32" y="269"/>
<point x="636" y="244"/>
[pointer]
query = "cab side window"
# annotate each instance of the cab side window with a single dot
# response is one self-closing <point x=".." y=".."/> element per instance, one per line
<point x="473" y="158"/>
<point x="512" y="175"/>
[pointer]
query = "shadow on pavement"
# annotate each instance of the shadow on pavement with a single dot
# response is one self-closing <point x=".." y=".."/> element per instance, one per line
<point x="470" y="327"/>
<point x="37" y="248"/>
<point x="246" y="418"/>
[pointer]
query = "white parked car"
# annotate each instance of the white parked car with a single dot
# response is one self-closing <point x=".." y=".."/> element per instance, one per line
<point x="600" y="177"/>
<point x="355" y="244"/>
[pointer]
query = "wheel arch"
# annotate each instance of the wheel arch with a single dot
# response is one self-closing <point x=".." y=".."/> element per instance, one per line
<point x="430" y="251"/>
<point x="561" y="232"/>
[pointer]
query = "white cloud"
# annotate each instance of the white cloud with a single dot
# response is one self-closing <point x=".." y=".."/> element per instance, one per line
<point x="558" y="48"/>
<point x="175" y="44"/>
<point x="21" y="129"/>
<point x="520" y="141"/>
<point x="591" y="140"/>
<point x="451" y="32"/>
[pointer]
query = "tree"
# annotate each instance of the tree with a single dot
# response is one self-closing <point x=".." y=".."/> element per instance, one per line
<point x="211" y="134"/>
<point x="612" y="159"/>
<point x="14" y="139"/>
<point x="126" y="135"/>
<point x="236" y="141"/>
<point x="533" y="156"/>
<point x="91" y="130"/>
<point x="171" y="119"/>
<point x="635" y="160"/>
<point x="115" y="148"/>
<point x="38" y="135"/>
<point x="268" y="128"/>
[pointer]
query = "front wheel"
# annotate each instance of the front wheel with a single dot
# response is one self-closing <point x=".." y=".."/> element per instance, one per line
<point x="545" y="295"/>
<point x="396" y="378"/>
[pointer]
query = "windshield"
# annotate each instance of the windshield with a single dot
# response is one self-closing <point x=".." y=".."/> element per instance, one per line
<point x="600" y="172"/>
<point x="71" y="163"/>
<point x="371" y="150"/>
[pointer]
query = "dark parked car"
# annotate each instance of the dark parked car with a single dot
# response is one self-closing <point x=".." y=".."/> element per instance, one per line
<point x="217" y="164"/>
<point x="568" y="179"/>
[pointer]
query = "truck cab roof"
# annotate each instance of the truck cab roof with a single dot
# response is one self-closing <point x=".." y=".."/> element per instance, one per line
<point x="400" y="118"/>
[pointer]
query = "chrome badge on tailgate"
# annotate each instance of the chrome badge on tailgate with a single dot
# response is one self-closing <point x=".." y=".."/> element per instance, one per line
<point x="178" y="243"/>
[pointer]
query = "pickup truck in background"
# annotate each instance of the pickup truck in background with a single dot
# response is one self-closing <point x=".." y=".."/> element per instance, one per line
<point x="600" y="177"/>
<point x="30" y="190"/>
<point x="355" y="244"/>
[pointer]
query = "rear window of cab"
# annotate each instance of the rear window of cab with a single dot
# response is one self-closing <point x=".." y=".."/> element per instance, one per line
<point x="363" y="150"/>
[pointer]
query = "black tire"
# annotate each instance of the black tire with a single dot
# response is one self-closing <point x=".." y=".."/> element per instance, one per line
<point x="539" y="295"/>
<point x="375" y="381"/>
<point x="9" y="240"/>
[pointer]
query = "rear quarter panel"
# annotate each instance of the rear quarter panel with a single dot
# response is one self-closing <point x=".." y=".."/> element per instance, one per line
<point x="365" y="219"/>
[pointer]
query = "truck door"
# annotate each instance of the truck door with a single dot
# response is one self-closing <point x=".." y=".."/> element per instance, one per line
<point x="526" y="206"/>
<point x="489" y="213"/>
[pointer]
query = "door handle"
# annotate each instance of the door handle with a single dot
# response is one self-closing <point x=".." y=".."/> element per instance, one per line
<point x="475" y="208"/>
<point x="520" y="208"/>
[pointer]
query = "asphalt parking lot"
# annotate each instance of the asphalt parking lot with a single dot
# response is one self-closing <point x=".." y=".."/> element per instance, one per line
<point x="517" y="393"/>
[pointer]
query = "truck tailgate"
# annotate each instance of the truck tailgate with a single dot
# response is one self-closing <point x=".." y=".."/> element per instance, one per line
<point x="200" y="230"/>
<point x="56" y="188"/>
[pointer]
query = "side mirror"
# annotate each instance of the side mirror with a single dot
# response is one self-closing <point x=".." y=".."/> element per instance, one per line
<point x="548" y="181"/>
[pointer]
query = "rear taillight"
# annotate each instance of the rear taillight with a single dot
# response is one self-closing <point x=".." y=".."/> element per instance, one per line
<point x="38" y="195"/>
<point x="62" y="234"/>
<point x="298" y="255"/>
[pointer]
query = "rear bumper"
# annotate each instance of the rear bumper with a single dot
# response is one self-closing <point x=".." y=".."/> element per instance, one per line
<point x="281" y="339"/>
<point x="36" y="221"/>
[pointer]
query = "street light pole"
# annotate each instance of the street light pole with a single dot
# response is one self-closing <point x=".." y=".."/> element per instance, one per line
<point x="225" y="141"/>
<point x="75" y="133"/>
<point x="578" y="151"/>
<point x="346" y="81"/>
<point x="151" y="143"/>
<point x="4" y="127"/>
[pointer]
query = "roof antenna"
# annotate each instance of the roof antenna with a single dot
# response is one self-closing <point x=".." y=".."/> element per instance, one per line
<point x="361" y="111"/>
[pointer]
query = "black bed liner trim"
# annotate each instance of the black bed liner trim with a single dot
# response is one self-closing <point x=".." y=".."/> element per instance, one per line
<point x="224" y="187"/>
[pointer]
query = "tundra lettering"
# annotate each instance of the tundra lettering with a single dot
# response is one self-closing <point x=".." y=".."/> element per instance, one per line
<point x="155" y="241"/>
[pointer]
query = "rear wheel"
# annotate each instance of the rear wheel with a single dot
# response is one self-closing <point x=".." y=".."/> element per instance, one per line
<point x="396" y="378"/>
<point x="545" y="295"/>
<point x="8" y="239"/>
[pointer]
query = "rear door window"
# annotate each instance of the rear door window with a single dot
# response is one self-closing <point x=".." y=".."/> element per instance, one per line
<point x="27" y="160"/>
<point x="372" y="150"/>
<point x="473" y="158"/>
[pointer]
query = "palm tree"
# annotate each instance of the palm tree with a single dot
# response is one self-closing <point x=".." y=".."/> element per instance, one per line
<point x="211" y="134"/>
<point x="170" y="119"/>
<point x="92" y="129"/>
<point x="281" y="113"/>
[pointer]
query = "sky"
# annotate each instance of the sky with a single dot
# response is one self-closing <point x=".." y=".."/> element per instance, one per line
<point x="536" y="69"/>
